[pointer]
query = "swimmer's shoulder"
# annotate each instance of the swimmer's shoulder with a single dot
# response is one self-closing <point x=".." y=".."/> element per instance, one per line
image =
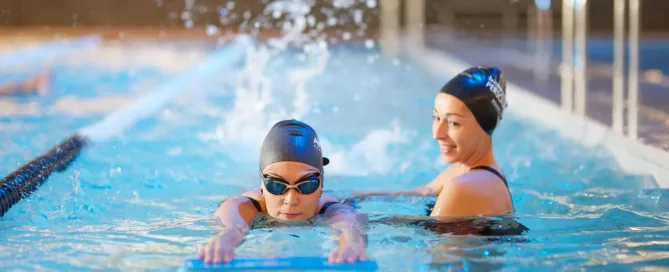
<point x="437" y="184"/>
<point x="325" y="201"/>
<point x="476" y="180"/>
<point x="481" y="191"/>
<point x="256" y="198"/>
<point x="488" y="176"/>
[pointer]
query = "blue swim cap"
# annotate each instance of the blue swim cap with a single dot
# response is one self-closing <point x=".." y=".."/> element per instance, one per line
<point x="483" y="90"/>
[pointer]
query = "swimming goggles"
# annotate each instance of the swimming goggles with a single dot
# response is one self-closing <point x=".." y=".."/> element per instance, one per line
<point x="277" y="186"/>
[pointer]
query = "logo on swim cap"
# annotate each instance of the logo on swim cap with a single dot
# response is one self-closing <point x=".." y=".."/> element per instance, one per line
<point x="317" y="144"/>
<point x="500" y="104"/>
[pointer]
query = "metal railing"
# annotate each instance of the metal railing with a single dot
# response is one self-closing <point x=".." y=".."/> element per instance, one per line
<point x="574" y="68"/>
<point x="574" y="63"/>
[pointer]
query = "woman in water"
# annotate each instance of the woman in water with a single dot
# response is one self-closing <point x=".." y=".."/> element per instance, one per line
<point x="291" y="188"/>
<point x="466" y="112"/>
<point x="40" y="84"/>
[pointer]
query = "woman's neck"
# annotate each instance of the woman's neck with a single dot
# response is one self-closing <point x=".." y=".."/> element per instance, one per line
<point x="486" y="158"/>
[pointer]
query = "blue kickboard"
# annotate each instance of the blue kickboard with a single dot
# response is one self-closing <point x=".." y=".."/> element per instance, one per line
<point x="291" y="263"/>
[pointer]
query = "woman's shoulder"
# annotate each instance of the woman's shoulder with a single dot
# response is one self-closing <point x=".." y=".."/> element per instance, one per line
<point x="481" y="176"/>
<point x="325" y="199"/>
<point x="256" y="198"/>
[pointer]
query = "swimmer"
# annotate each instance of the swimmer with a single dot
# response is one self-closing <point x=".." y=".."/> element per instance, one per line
<point x="40" y="84"/>
<point x="291" y="188"/>
<point x="466" y="112"/>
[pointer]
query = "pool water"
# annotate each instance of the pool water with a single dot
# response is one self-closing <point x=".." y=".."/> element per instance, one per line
<point x="143" y="201"/>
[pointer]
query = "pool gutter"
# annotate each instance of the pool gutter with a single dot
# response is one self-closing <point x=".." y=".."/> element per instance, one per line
<point x="633" y="156"/>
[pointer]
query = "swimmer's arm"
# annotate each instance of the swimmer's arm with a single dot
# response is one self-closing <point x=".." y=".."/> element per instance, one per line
<point x="27" y="86"/>
<point x="344" y="220"/>
<point x="422" y="191"/>
<point x="431" y="189"/>
<point x="435" y="186"/>
<point x="235" y="214"/>
<point x="9" y="88"/>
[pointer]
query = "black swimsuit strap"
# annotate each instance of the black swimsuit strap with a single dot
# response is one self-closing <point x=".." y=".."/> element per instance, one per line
<point x="497" y="173"/>
<point x="494" y="171"/>
<point x="255" y="203"/>
<point x="326" y="206"/>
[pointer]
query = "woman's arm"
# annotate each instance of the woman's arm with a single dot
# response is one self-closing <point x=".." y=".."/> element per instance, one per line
<point x="10" y="88"/>
<point x="344" y="221"/>
<point x="433" y="188"/>
<point x="426" y="190"/>
<point x="235" y="215"/>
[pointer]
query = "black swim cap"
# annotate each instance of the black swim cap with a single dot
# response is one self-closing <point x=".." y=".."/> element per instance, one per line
<point x="483" y="90"/>
<point x="292" y="140"/>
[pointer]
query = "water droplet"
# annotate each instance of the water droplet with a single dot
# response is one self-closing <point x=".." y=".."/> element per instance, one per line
<point x="357" y="16"/>
<point x="369" y="44"/>
<point x="223" y="12"/>
<point x="211" y="30"/>
<point x="346" y="36"/>
<point x="311" y="20"/>
<point x="371" y="3"/>
<point x="396" y="62"/>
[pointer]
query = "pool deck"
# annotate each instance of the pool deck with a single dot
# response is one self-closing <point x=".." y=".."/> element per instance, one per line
<point x="12" y="38"/>
<point x="653" y="112"/>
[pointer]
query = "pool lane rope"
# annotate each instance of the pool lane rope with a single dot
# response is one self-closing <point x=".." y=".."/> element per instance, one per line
<point x="26" y="179"/>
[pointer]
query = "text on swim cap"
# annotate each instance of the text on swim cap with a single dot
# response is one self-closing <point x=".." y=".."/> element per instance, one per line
<point x="495" y="88"/>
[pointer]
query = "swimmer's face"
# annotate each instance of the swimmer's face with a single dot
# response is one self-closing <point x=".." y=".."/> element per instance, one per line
<point x="456" y="130"/>
<point x="291" y="205"/>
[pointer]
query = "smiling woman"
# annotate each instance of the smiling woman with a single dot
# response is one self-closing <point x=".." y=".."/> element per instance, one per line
<point x="291" y="170"/>
<point x="466" y="112"/>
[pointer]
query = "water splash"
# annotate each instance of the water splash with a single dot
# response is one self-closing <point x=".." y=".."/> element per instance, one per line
<point x="187" y="15"/>
<point x="250" y="116"/>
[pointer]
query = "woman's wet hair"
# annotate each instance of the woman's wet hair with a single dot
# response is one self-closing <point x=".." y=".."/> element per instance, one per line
<point x="483" y="90"/>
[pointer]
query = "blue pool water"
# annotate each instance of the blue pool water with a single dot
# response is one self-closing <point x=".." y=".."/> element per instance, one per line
<point x="144" y="200"/>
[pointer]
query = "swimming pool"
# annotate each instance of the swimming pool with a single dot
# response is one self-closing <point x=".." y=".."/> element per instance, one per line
<point x="144" y="200"/>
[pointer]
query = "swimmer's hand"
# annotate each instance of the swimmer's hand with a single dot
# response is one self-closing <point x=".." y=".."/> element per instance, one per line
<point x="221" y="248"/>
<point x="349" y="251"/>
